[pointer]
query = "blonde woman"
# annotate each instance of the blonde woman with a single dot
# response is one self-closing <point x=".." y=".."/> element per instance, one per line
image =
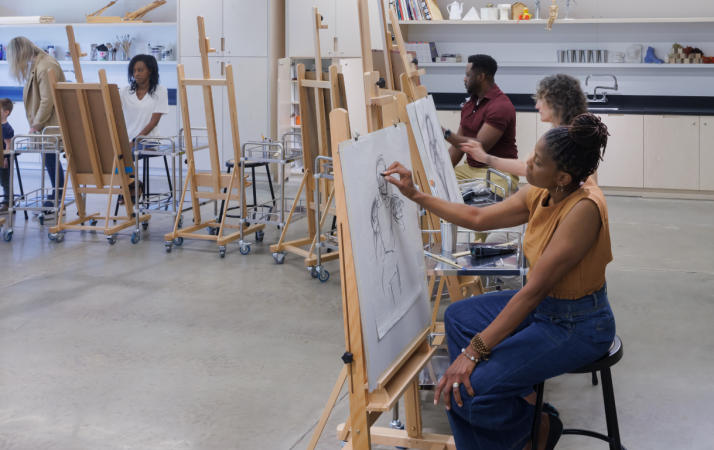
<point x="29" y="65"/>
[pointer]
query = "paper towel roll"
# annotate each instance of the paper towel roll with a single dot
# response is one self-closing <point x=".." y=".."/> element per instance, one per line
<point x="19" y="20"/>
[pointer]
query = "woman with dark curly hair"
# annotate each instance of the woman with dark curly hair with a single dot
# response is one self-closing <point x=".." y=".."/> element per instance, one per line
<point x="503" y="343"/>
<point x="559" y="99"/>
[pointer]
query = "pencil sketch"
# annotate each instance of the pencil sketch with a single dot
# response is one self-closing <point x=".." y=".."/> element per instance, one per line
<point x="432" y="149"/>
<point x="436" y="156"/>
<point x="387" y="209"/>
<point x="384" y="227"/>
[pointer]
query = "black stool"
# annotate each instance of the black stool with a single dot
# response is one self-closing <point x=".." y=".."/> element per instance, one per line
<point x="602" y="365"/>
<point x="230" y="164"/>
<point x="145" y="179"/>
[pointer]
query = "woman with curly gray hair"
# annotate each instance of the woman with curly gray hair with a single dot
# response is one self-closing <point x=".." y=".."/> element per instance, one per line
<point x="559" y="99"/>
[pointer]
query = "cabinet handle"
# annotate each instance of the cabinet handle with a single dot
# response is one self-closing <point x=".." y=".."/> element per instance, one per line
<point x="694" y="123"/>
<point x="329" y="53"/>
<point x="222" y="67"/>
<point x="223" y="44"/>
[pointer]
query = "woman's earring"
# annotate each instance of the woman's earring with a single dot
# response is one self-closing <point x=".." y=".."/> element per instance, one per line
<point x="559" y="188"/>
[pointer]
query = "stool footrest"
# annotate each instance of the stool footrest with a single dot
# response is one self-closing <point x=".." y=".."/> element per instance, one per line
<point x="593" y="434"/>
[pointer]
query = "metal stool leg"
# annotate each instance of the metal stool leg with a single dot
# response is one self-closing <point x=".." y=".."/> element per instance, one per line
<point x="223" y="202"/>
<point x="168" y="174"/>
<point x="608" y="393"/>
<point x="537" y="415"/>
<point x="594" y="378"/>
<point x="255" y="192"/>
<point x="270" y="183"/>
<point x="19" y="180"/>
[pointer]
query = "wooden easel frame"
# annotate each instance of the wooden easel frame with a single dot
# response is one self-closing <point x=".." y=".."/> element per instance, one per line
<point x="103" y="183"/>
<point x="75" y="52"/>
<point x="214" y="180"/>
<point x="320" y="87"/>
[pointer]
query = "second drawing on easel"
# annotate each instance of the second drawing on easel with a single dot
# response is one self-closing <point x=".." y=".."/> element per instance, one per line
<point x="434" y="155"/>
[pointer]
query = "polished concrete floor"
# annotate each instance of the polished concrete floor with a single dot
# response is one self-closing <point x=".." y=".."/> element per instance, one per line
<point x="128" y="347"/>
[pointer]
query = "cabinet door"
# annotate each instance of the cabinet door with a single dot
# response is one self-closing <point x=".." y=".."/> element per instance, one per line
<point x="212" y="12"/>
<point x="623" y="163"/>
<point x="245" y="28"/>
<point x="285" y="106"/>
<point x="347" y="32"/>
<point x="301" y="42"/>
<point x="706" y="153"/>
<point x="251" y="82"/>
<point x="526" y="130"/>
<point x="196" y="107"/>
<point x="671" y="152"/>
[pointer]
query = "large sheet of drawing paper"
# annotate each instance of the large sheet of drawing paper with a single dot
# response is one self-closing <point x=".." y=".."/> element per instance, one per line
<point x="432" y="148"/>
<point x="387" y="248"/>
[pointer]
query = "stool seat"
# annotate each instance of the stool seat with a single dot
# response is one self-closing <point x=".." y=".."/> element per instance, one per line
<point x="231" y="163"/>
<point x="613" y="356"/>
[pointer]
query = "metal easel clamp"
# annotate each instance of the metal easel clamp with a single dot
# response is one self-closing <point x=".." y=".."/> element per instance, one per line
<point x="347" y="358"/>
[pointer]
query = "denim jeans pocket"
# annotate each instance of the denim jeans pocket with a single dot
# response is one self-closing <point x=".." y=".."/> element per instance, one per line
<point x="606" y="325"/>
<point x="557" y="329"/>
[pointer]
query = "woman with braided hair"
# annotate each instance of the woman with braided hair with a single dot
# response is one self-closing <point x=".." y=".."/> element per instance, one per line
<point x="503" y="343"/>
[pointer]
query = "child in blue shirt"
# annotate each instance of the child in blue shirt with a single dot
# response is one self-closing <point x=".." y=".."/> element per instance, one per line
<point x="7" y="135"/>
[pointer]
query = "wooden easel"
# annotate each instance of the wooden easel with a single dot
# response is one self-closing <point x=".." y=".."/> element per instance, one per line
<point x="75" y="52"/>
<point x="214" y="180"/>
<point x="320" y="87"/>
<point x="401" y="378"/>
<point x="97" y="150"/>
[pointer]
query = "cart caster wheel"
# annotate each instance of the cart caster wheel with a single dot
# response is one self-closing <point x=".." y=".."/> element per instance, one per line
<point x="51" y="236"/>
<point x="8" y="236"/>
<point x="41" y="219"/>
<point x="259" y="235"/>
<point x="244" y="249"/>
<point x="324" y="275"/>
<point x="313" y="272"/>
<point x="135" y="237"/>
<point x="145" y="225"/>
<point x="178" y="241"/>
<point x="180" y="224"/>
<point x="169" y="246"/>
<point x="93" y="222"/>
<point x="211" y="231"/>
<point x="279" y="257"/>
<point x="222" y="251"/>
<point x="112" y="239"/>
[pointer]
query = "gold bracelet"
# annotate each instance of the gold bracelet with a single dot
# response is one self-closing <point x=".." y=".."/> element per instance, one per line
<point x="480" y="346"/>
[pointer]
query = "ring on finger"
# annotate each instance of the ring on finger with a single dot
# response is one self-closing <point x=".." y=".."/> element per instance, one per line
<point x="455" y="385"/>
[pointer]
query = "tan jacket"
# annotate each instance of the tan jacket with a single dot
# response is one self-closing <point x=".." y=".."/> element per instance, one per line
<point x="39" y="105"/>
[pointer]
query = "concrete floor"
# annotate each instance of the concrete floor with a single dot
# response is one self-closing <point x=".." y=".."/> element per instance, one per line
<point x="128" y="347"/>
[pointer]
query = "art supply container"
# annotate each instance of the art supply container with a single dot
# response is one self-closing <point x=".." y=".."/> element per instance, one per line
<point x="103" y="55"/>
<point x="51" y="51"/>
<point x="591" y="56"/>
<point x="67" y="55"/>
<point x="562" y="56"/>
<point x="156" y="53"/>
<point x="572" y="56"/>
<point x="581" y="56"/>
<point x="600" y="56"/>
<point x="449" y="234"/>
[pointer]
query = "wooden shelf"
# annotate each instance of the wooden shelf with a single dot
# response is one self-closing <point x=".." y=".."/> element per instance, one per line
<point x="557" y="22"/>
<point x="119" y="24"/>
<point x="107" y="63"/>
<point x="580" y="65"/>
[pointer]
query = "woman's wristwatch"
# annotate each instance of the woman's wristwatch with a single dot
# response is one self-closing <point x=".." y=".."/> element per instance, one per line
<point x="447" y="134"/>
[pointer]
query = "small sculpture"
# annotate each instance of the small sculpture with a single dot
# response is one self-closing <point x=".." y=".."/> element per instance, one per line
<point x="651" y="58"/>
<point x="553" y="14"/>
<point x="633" y="54"/>
<point x="567" y="9"/>
<point x="617" y="57"/>
<point x="687" y="50"/>
<point x="537" y="10"/>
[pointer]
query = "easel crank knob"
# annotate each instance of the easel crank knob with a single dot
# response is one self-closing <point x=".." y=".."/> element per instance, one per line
<point x="347" y="357"/>
<point x="381" y="83"/>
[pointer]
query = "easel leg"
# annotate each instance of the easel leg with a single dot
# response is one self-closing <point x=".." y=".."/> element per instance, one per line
<point x="228" y="198"/>
<point x="412" y="410"/>
<point x="328" y="409"/>
<point x="278" y="247"/>
<point x="437" y="302"/>
<point x="183" y="196"/>
<point x="111" y="193"/>
<point x="64" y="195"/>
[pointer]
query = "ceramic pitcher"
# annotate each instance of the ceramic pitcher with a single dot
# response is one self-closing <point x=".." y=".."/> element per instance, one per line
<point x="455" y="9"/>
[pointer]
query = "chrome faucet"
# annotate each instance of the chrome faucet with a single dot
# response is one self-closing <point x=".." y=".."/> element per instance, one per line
<point x="602" y="99"/>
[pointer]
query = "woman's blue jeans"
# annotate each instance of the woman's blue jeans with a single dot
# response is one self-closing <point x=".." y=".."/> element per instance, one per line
<point x="557" y="337"/>
<point x="50" y="165"/>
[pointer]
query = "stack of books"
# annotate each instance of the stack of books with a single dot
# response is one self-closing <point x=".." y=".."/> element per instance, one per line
<point x="425" y="51"/>
<point x="416" y="9"/>
<point x="448" y="58"/>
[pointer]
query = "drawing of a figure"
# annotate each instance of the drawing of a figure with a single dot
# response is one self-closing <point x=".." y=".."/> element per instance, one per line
<point x="437" y="157"/>
<point x="386" y="218"/>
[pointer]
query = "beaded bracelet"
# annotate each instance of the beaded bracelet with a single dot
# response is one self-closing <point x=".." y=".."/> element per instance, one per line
<point x="472" y="358"/>
<point x="478" y="345"/>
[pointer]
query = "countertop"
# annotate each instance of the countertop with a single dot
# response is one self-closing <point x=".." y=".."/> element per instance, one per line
<point x="624" y="104"/>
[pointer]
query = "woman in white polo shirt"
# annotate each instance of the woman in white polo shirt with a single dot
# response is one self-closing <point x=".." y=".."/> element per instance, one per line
<point x="144" y="101"/>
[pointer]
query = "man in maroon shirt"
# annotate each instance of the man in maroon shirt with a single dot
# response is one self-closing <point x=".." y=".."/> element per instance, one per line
<point x="488" y="117"/>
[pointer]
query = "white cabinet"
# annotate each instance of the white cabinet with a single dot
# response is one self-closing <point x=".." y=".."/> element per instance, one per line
<point x="671" y="152"/>
<point x="212" y="12"/>
<point x="341" y="39"/>
<point x="526" y="131"/>
<point x="245" y="28"/>
<point x="301" y="42"/>
<point x="623" y="163"/>
<point x="285" y="98"/>
<point x="197" y="111"/>
<point x="706" y="153"/>
<point x="251" y="84"/>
